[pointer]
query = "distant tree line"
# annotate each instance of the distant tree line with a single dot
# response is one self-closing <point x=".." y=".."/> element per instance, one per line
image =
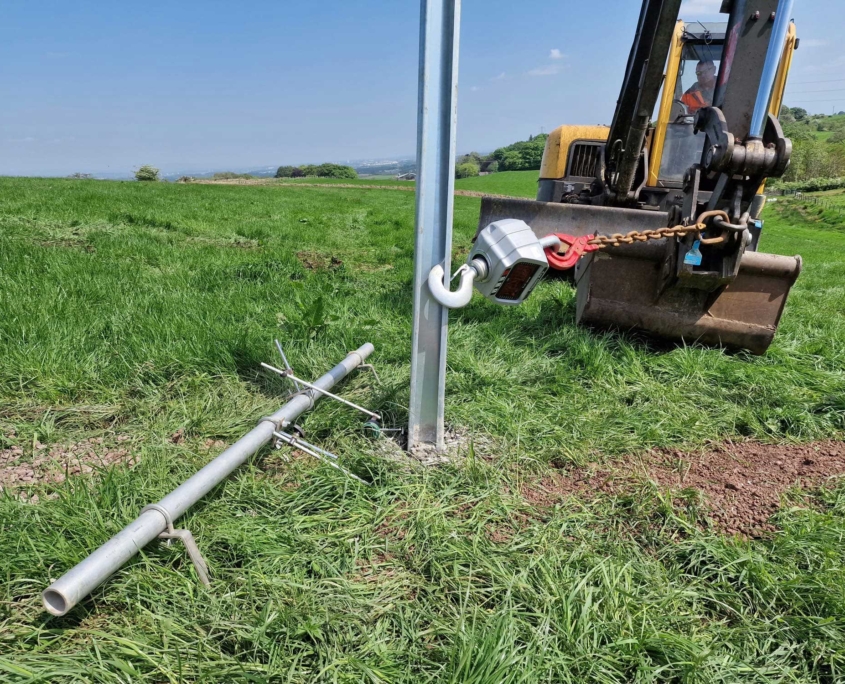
<point x="319" y="171"/>
<point x="468" y="165"/>
<point x="525" y="155"/>
<point x="818" y="145"/>
<point x="812" y="185"/>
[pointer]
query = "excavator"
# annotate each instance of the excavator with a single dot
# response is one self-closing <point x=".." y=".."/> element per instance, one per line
<point x="661" y="216"/>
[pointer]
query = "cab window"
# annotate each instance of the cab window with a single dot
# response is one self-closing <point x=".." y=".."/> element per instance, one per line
<point x="697" y="75"/>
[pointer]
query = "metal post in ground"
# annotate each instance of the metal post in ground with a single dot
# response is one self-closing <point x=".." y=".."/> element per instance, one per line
<point x="437" y="117"/>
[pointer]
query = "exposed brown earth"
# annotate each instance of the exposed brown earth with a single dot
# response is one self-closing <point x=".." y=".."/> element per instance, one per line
<point x="40" y="464"/>
<point x="316" y="261"/>
<point x="741" y="484"/>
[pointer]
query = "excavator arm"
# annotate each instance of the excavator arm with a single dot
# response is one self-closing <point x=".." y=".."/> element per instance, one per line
<point x="638" y="97"/>
<point x="710" y="285"/>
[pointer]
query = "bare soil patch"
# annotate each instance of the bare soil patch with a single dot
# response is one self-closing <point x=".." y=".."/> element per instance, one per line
<point x="741" y="484"/>
<point x="44" y="464"/>
<point x="316" y="261"/>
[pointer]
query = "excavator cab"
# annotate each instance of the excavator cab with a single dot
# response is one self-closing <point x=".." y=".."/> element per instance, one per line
<point x="679" y="152"/>
<point x="693" y="66"/>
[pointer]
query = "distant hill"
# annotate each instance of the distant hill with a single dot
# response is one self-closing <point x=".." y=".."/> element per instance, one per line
<point x="388" y="167"/>
<point x="818" y="144"/>
<point x="799" y="125"/>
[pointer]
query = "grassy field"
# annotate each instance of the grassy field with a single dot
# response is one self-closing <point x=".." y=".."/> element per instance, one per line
<point x="514" y="183"/>
<point x="139" y="310"/>
<point x="310" y="180"/>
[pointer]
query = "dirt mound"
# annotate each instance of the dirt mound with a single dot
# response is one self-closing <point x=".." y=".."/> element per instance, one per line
<point x="42" y="464"/>
<point x="741" y="484"/>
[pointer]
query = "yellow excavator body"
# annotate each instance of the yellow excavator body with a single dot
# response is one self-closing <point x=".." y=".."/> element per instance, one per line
<point x="559" y="143"/>
<point x="571" y="140"/>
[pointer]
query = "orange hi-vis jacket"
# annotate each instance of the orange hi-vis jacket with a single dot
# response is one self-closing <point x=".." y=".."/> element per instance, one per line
<point x="694" y="100"/>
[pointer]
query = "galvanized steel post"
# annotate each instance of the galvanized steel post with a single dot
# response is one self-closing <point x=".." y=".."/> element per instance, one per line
<point x="91" y="572"/>
<point x="437" y="117"/>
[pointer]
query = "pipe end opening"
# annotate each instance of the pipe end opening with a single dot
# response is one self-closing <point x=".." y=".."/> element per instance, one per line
<point x="54" y="602"/>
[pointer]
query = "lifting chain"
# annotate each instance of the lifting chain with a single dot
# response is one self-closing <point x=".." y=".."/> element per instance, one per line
<point x="617" y="239"/>
<point x="573" y="248"/>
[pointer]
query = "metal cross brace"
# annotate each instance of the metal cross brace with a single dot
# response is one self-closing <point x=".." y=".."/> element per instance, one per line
<point x="285" y="361"/>
<point x="315" y="451"/>
<point x="289" y="374"/>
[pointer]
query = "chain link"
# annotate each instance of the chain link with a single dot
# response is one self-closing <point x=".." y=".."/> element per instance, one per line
<point x="643" y="235"/>
<point x="676" y="231"/>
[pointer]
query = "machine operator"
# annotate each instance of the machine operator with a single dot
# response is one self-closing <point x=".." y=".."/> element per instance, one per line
<point x="700" y="93"/>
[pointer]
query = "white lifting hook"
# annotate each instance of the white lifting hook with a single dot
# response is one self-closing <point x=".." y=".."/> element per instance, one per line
<point x="460" y="297"/>
<point x="505" y="263"/>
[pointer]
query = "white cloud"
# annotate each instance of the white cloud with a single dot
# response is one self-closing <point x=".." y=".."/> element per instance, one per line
<point x="556" y="54"/>
<point x="693" y="7"/>
<point x="474" y="89"/>
<point x="548" y="70"/>
<point x="500" y="77"/>
<point x="813" y="42"/>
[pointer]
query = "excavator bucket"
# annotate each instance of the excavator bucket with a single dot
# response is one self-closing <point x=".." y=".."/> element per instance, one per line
<point x="621" y="288"/>
<point x="624" y="287"/>
<point x="575" y="219"/>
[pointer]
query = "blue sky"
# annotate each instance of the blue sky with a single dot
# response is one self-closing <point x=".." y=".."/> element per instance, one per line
<point x="105" y="87"/>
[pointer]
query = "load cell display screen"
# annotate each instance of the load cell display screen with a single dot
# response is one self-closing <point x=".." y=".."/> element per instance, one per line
<point x="517" y="280"/>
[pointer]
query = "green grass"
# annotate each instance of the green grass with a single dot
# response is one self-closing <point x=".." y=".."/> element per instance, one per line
<point x="387" y="180"/>
<point x="837" y="194"/>
<point x="827" y="215"/>
<point x="515" y="183"/>
<point x="143" y="309"/>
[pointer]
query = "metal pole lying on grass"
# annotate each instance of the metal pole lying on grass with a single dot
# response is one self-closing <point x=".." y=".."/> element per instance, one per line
<point x="81" y="580"/>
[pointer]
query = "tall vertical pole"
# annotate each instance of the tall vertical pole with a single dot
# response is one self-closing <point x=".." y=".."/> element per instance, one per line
<point x="437" y="117"/>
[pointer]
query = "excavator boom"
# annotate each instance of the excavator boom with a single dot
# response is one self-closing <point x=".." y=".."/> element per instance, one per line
<point x="640" y="88"/>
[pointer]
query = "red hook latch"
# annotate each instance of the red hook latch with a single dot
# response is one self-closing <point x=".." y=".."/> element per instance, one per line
<point x="574" y="249"/>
